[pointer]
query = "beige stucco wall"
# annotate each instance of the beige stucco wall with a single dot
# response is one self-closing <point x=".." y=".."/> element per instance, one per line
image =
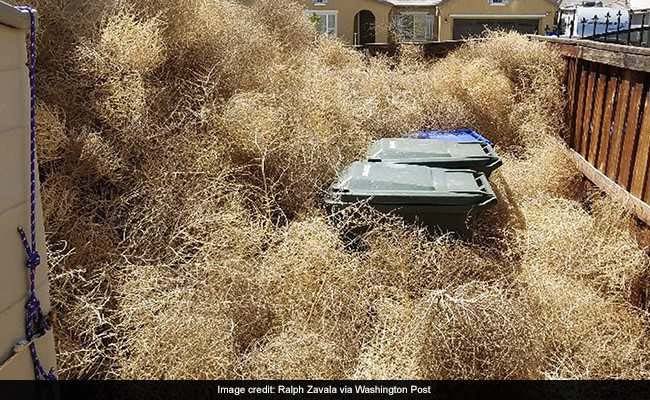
<point x="14" y="212"/>
<point x="514" y="7"/>
<point x="347" y="9"/>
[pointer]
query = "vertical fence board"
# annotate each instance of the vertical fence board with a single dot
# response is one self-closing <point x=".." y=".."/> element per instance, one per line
<point x="631" y="131"/>
<point x="580" y="106"/>
<point x="646" y="195"/>
<point x="640" y="169"/>
<point x="608" y="119"/>
<point x="597" y="115"/>
<point x="589" y="106"/>
<point x="572" y="78"/>
<point x="619" y="125"/>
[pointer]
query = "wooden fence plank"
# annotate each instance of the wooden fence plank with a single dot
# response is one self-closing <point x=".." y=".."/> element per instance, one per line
<point x="608" y="119"/>
<point x="640" y="169"/>
<point x="573" y="94"/>
<point x="590" y="44"/>
<point x="597" y="115"/>
<point x="646" y="195"/>
<point x="630" y="136"/>
<point x="618" y="59"/>
<point x="589" y="106"/>
<point x="572" y="77"/>
<point x="570" y="82"/>
<point x="616" y="140"/>
<point x="580" y="105"/>
<point x="633" y="204"/>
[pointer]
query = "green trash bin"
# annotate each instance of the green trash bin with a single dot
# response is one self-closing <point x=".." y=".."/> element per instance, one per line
<point x="477" y="156"/>
<point x="435" y="197"/>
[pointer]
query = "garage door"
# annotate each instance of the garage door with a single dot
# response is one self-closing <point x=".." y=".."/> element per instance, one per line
<point x="465" y="28"/>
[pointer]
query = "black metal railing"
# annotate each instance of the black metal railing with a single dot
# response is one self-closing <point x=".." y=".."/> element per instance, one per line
<point x="618" y="28"/>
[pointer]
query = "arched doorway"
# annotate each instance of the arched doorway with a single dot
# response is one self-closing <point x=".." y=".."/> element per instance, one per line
<point x="364" y="27"/>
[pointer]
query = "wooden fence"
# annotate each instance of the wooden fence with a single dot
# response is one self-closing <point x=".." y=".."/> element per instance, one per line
<point x="608" y="116"/>
<point x="430" y="50"/>
<point x="608" y="112"/>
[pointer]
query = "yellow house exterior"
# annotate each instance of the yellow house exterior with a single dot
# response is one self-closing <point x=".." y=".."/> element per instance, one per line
<point x="466" y="16"/>
<point x="347" y="12"/>
<point x="381" y="21"/>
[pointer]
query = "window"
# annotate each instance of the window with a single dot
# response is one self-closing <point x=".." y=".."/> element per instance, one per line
<point x="320" y="2"/>
<point x="413" y="27"/>
<point x="498" y="2"/>
<point x="325" y="21"/>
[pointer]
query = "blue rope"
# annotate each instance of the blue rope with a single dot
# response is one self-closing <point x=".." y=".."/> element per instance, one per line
<point x="36" y="325"/>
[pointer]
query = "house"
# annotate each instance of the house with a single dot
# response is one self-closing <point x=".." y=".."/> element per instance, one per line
<point x="463" y="18"/>
<point x="380" y="21"/>
<point x="572" y="4"/>
<point x="375" y="21"/>
<point x="640" y="12"/>
<point x="588" y="18"/>
<point x="623" y="14"/>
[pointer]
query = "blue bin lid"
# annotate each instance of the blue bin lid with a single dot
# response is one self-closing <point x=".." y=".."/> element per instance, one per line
<point x="455" y="135"/>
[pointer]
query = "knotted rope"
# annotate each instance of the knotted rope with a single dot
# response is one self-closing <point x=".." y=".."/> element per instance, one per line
<point x="36" y="325"/>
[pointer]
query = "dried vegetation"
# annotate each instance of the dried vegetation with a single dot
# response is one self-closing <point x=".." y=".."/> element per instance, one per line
<point x="185" y="145"/>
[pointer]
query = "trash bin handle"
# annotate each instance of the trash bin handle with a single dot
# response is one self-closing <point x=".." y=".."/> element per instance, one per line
<point x="485" y="185"/>
<point x="489" y="149"/>
<point x="496" y="164"/>
<point x="487" y="202"/>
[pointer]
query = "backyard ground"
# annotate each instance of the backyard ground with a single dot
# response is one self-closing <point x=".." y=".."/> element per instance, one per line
<point x="184" y="149"/>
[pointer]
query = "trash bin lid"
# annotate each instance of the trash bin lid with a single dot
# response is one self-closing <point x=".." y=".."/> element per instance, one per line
<point x="453" y="135"/>
<point x="435" y="153"/>
<point x="405" y="184"/>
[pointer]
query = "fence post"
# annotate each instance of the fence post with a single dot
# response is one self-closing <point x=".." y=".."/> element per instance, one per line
<point x="618" y="25"/>
<point x="643" y="33"/>
<point x="583" y="22"/>
<point x="629" y="28"/>
<point x="642" y="30"/>
<point x="595" y="25"/>
<point x="607" y="17"/>
<point x="573" y="26"/>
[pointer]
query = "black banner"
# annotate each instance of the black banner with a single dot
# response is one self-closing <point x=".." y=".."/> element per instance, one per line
<point x="529" y="390"/>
